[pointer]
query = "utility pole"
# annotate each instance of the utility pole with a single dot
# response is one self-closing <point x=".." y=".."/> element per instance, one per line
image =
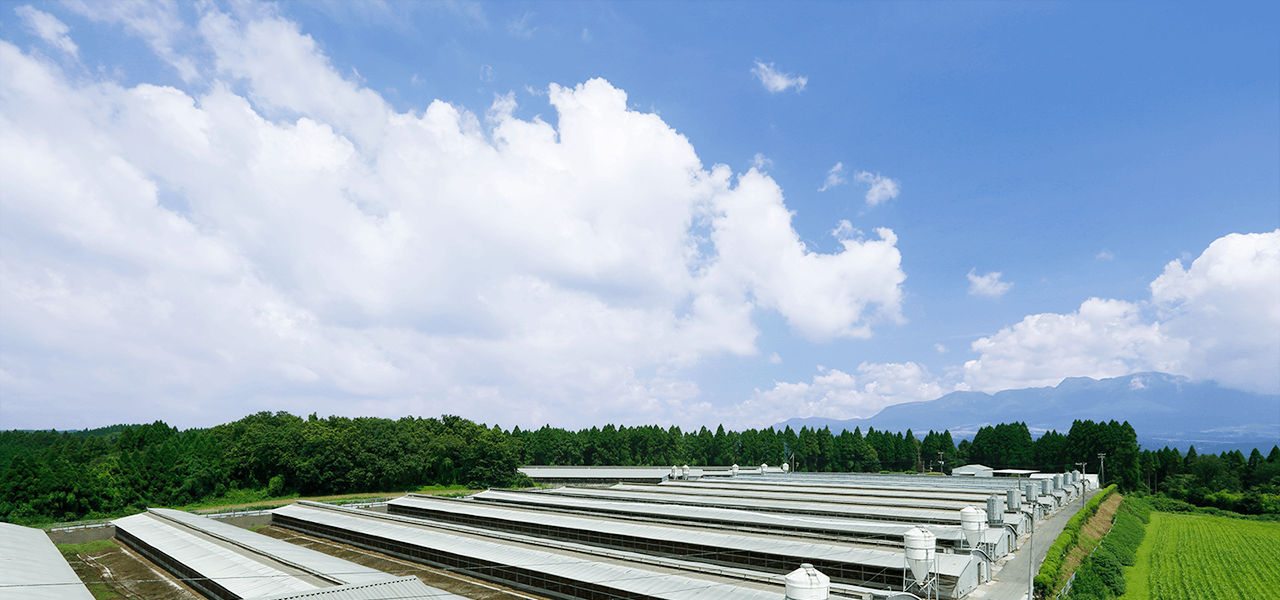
<point x="1084" y="470"/>
<point x="1102" y="471"/>
<point x="1031" y="558"/>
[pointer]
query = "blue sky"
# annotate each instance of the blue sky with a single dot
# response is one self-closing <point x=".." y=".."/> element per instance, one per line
<point x="424" y="208"/>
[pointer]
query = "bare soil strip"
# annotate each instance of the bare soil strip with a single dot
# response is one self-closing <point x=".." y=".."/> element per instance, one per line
<point x="119" y="573"/>
<point x="1090" y="534"/>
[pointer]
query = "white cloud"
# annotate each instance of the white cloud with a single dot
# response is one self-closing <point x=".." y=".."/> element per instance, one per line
<point x="157" y="23"/>
<point x="49" y="28"/>
<point x="988" y="285"/>
<point x="882" y="188"/>
<point x="1228" y="304"/>
<point x="759" y="162"/>
<point x="834" y="177"/>
<point x="777" y="81"/>
<point x="775" y="358"/>
<point x="519" y="27"/>
<point x="308" y="248"/>
<point x="940" y="348"/>
<point x="835" y="394"/>
<point x="1217" y="320"/>
<point x="1104" y="255"/>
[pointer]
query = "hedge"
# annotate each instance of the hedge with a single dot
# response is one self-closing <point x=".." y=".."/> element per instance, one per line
<point x="1050" y="577"/>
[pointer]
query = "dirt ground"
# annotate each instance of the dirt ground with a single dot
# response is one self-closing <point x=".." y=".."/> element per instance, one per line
<point x="437" y="578"/>
<point x="115" y="572"/>
<point x="1093" y="530"/>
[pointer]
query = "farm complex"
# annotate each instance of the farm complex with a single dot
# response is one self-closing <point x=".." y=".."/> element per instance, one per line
<point x="756" y="533"/>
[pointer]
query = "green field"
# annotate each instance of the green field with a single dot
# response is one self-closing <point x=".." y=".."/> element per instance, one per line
<point x="1203" y="557"/>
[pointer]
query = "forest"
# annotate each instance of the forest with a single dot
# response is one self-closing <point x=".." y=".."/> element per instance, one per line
<point x="51" y="476"/>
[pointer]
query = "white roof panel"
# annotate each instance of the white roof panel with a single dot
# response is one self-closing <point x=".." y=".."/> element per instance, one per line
<point x="306" y="558"/>
<point x="720" y="515"/>
<point x="629" y="579"/>
<point x="239" y="574"/>
<point x="32" y="568"/>
<point x="802" y="550"/>
<point x="402" y="588"/>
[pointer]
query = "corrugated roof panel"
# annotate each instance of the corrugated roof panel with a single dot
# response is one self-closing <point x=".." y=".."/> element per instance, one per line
<point x="931" y="502"/>
<point x="723" y="515"/>
<point x="804" y="550"/>
<point x="306" y="558"/>
<point x="629" y="579"/>
<point x="402" y="588"/>
<point x="239" y="574"/>
<point x="890" y="513"/>
<point x="31" y="567"/>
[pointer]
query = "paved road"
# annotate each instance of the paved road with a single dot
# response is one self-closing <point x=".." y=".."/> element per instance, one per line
<point x="1010" y="580"/>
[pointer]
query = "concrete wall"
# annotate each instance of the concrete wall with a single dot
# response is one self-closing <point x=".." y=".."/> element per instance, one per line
<point x="83" y="534"/>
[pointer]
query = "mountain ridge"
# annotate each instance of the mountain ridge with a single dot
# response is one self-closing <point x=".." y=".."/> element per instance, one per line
<point x="1164" y="410"/>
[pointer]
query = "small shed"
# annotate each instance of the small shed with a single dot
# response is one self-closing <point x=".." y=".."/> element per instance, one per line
<point x="972" y="471"/>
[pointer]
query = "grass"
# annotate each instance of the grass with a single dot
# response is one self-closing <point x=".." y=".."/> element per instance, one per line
<point x="74" y="554"/>
<point x="85" y="548"/>
<point x="1204" y="557"/>
<point x="1137" y="578"/>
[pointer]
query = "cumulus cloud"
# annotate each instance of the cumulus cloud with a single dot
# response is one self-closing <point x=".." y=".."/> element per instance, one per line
<point x="988" y="285"/>
<point x="760" y="162"/>
<point x="1218" y="320"/>
<point x="49" y="28"/>
<point x="1228" y="303"/>
<point x="835" y="394"/>
<point x="285" y="239"/>
<point x="882" y="188"/>
<point x="776" y="81"/>
<point x="834" y="177"/>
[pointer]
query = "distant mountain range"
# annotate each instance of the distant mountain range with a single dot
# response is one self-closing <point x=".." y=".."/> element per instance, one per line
<point x="1165" y="410"/>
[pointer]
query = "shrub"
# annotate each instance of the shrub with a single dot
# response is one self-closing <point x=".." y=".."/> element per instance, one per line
<point x="275" y="487"/>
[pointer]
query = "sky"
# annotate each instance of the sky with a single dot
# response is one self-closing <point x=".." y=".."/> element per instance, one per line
<point x="580" y="213"/>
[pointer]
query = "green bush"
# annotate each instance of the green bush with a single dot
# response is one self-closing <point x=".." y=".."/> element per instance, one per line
<point x="275" y="487"/>
<point x="1051" y="569"/>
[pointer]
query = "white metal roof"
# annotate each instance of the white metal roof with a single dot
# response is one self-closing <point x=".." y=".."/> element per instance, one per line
<point x="239" y="574"/>
<point x="305" y="558"/>
<point x="721" y="515"/>
<point x="800" y="549"/>
<point x="402" y="588"/>
<point x="601" y="473"/>
<point x="798" y="494"/>
<point x="31" y="567"/>
<point x="889" y="513"/>
<point x="629" y="579"/>
<point x="964" y="494"/>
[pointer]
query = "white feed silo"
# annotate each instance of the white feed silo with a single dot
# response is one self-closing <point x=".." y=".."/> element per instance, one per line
<point x="995" y="510"/>
<point x="973" y="521"/>
<point x="921" y="546"/>
<point x="734" y="470"/>
<point x="685" y="470"/>
<point x="807" y="583"/>
<point x="1033" y="493"/>
<point x="675" y="472"/>
<point x="1044" y="486"/>
<point x="786" y="467"/>
<point x="1014" y="496"/>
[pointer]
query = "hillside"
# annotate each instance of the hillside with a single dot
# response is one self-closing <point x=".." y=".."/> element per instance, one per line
<point x="1164" y="409"/>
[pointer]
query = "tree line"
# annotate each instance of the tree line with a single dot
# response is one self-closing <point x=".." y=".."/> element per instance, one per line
<point x="49" y="476"/>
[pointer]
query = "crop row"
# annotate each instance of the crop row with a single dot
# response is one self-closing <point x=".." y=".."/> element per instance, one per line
<point x="1210" y="558"/>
